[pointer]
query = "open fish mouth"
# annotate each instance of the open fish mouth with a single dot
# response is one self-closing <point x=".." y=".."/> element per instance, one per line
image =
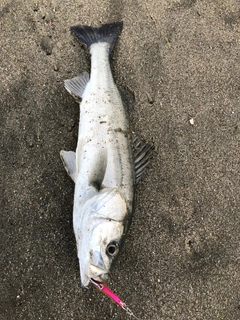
<point x="98" y="273"/>
<point x="95" y="273"/>
<point x="97" y="267"/>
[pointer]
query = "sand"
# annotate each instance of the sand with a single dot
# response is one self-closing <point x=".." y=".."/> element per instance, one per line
<point x="181" y="259"/>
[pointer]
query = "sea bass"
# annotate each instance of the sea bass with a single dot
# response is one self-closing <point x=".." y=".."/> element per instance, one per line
<point x="104" y="167"/>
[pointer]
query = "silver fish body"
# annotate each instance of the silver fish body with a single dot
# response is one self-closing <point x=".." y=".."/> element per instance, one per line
<point x="103" y="166"/>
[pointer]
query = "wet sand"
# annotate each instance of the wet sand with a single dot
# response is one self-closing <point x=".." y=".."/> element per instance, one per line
<point x="181" y="259"/>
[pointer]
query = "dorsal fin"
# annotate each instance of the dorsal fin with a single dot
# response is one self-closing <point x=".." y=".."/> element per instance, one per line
<point x="142" y="154"/>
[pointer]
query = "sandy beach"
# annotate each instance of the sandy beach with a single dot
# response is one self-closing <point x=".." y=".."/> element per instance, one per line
<point x="181" y="61"/>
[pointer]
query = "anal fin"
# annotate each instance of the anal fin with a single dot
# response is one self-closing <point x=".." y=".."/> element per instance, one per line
<point x="76" y="86"/>
<point x="69" y="162"/>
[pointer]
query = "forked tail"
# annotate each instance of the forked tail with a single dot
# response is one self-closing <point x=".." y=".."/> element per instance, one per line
<point x="106" y="33"/>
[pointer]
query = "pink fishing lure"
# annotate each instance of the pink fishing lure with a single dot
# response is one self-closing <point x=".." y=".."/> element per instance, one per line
<point x="103" y="288"/>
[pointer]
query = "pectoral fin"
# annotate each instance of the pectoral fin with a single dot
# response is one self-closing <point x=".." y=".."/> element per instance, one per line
<point x="77" y="85"/>
<point x="69" y="162"/>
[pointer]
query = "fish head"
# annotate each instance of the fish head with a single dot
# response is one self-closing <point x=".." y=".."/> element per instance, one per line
<point x="100" y="234"/>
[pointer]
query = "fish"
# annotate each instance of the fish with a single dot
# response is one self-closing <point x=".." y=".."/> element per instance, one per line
<point x="105" y="166"/>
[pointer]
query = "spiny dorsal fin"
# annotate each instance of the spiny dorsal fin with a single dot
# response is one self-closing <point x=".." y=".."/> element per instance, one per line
<point x="76" y="86"/>
<point x="142" y="154"/>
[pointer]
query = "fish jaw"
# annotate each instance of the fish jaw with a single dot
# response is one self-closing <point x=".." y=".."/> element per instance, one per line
<point x="91" y="271"/>
<point x="98" y="223"/>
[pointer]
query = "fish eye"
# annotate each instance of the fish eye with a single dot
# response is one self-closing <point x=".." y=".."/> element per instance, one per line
<point x="112" y="249"/>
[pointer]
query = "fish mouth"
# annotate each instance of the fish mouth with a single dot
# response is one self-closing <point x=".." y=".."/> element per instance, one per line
<point x="98" y="274"/>
<point x="96" y="269"/>
<point x="95" y="273"/>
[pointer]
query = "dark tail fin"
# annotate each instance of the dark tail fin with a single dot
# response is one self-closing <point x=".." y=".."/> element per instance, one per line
<point x="106" y="33"/>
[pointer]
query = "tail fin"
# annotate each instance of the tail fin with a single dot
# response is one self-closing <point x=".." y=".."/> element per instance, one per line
<point x="106" y="33"/>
